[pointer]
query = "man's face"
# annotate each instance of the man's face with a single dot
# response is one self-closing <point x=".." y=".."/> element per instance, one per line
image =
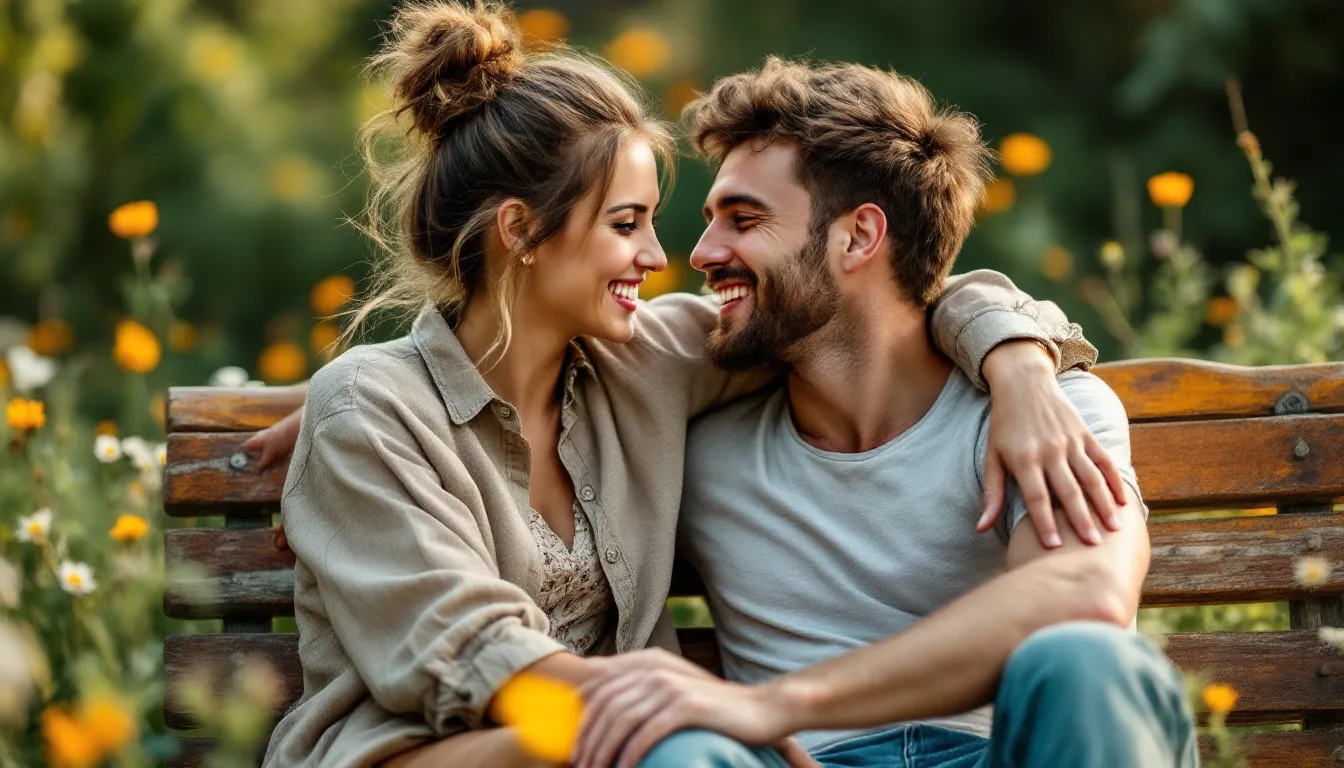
<point x="763" y="258"/>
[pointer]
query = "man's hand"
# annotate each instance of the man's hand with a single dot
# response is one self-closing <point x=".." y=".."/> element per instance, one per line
<point x="627" y="714"/>
<point x="1037" y="436"/>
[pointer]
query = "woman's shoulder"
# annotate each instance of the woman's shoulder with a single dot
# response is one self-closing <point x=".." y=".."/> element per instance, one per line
<point x="369" y="375"/>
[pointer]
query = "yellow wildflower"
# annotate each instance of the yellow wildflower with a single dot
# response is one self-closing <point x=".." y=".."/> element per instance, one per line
<point x="542" y="25"/>
<point x="134" y="220"/>
<point x="1221" y="311"/>
<point x="24" y="414"/>
<point x="322" y="337"/>
<point x="50" y="337"/>
<point x="1112" y="255"/>
<point x="68" y="745"/>
<point x="106" y="723"/>
<point x="129" y="528"/>
<point x="1171" y="189"/>
<point x="331" y="293"/>
<point x="1057" y="263"/>
<point x="1220" y="698"/>
<point x="1023" y="154"/>
<point x="282" y="362"/>
<point x="544" y="714"/>
<point x="182" y="336"/>
<point x="640" y="51"/>
<point x="136" y="349"/>
<point x="1312" y="571"/>
<point x="999" y="196"/>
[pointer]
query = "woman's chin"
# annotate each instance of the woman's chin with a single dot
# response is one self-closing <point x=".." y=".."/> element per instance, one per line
<point x="615" y="331"/>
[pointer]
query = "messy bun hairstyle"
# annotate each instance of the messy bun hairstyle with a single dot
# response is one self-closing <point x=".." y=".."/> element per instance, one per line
<point x="475" y="119"/>
<point x="864" y="135"/>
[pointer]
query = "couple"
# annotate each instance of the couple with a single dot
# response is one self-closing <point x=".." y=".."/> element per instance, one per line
<point x="500" y="491"/>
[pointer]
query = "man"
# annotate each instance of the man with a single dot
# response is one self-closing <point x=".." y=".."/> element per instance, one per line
<point x="833" y="520"/>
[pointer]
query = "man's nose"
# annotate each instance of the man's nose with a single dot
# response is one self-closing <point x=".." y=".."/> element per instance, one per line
<point x="710" y="252"/>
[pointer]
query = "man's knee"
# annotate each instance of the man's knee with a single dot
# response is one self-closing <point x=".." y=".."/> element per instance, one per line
<point x="702" y="749"/>
<point x="1088" y="655"/>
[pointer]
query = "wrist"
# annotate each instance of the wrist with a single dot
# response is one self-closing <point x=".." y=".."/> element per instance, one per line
<point x="793" y="703"/>
<point x="1016" y="358"/>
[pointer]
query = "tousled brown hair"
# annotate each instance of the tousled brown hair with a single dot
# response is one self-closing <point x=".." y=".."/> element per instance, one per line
<point x="864" y="136"/>
<point x="475" y="119"/>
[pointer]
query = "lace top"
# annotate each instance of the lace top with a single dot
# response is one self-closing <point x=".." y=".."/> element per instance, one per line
<point x="574" y="592"/>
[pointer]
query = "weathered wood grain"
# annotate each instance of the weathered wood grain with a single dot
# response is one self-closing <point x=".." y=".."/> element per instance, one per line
<point x="1240" y="462"/>
<point x="214" y="573"/>
<point x="216" y="657"/>
<point x="201" y="476"/>
<point x="222" y="409"/>
<point x="1288" y="749"/>
<point x="1193" y="389"/>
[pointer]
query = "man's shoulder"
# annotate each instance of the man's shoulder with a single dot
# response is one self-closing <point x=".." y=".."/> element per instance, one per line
<point x="738" y="417"/>
<point x="1093" y="398"/>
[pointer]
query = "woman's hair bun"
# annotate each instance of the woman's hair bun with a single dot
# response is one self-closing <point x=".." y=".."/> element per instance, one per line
<point x="446" y="59"/>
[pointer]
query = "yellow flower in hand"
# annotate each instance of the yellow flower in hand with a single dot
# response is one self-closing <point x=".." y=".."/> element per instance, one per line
<point x="544" y="713"/>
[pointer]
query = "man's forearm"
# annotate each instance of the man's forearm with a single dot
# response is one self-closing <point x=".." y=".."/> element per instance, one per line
<point x="949" y="662"/>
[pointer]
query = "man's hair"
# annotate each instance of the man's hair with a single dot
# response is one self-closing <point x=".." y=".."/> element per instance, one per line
<point x="864" y="135"/>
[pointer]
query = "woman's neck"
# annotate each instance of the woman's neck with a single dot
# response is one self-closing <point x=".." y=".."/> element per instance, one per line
<point x="528" y="373"/>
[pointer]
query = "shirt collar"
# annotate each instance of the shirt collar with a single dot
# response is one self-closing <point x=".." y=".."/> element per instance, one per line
<point x="460" y="384"/>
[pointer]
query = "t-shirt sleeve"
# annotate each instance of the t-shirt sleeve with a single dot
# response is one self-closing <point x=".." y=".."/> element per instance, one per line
<point x="1104" y="415"/>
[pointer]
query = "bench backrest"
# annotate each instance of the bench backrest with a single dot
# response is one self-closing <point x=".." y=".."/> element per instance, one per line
<point x="1205" y="436"/>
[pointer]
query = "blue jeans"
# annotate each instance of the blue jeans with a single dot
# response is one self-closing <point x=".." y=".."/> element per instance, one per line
<point x="1082" y="694"/>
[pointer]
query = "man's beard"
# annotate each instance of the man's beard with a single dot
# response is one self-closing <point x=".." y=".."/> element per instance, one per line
<point x="797" y="300"/>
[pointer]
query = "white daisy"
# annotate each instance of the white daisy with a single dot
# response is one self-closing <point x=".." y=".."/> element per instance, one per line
<point x="228" y="376"/>
<point x="107" y="448"/>
<point x="77" y="578"/>
<point x="1312" y="571"/>
<point x="139" y="452"/>
<point x="161" y="454"/>
<point x="29" y="370"/>
<point x="35" y="527"/>
<point x="1332" y="636"/>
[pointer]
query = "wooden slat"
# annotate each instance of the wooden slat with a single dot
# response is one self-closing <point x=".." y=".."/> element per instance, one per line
<point x="1287" y="749"/>
<point x="1239" y="462"/>
<point x="223" y="409"/>
<point x="200" y="476"/>
<point x="1192" y="389"/>
<point x="227" y="572"/>
<point x="219" y="656"/>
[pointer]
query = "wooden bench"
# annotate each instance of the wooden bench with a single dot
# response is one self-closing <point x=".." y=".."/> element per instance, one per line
<point x="1205" y="437"/>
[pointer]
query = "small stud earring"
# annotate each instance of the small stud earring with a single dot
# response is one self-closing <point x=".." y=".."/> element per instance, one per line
<point x="527" y="260"/>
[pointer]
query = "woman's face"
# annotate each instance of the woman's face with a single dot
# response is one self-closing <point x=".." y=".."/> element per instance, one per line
<point x="587" y="277"/>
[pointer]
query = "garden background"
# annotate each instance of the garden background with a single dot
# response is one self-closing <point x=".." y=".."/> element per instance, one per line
<point x="1132" y="190"/>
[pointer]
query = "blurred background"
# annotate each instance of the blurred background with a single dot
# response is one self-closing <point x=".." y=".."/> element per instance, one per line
<point x="175" y="177"/>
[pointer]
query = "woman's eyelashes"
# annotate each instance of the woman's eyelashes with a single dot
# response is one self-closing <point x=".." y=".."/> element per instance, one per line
<point x="631" y="226"/>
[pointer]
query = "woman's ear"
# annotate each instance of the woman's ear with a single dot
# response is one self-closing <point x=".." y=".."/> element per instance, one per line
<point x="867" y="227"/>
<point x="511" y="220"/>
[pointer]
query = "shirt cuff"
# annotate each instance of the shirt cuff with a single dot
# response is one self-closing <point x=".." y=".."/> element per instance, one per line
<point x="496" y="654"/>
<point x="992" y="327"/>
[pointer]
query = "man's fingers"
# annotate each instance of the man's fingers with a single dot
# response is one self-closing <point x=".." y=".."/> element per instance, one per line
<point x="654" y="730"/>
<point x="1094" y="485"/>
<point x="623" y="714"/>
<point x="1036" y="496"/>
<point x="1070" y="494"/>
<point x="996" y="478"/>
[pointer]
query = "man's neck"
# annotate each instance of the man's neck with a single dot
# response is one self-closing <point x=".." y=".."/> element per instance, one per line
<point x="865" y="378"/>
<point x="528" y="372"/>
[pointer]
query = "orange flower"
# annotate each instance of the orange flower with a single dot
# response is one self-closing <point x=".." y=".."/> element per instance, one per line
<point x="134" y="220"/>
<point x="544" y="714"/>
<point x="1220" y="698"/>
<point x="129" y="528"/>
<point x="282" y="362"/>
<point x="24" y="415"/>
<point x="1057" y="263"/>
<point x="1023" y="154"/>
<point x="1171" y="189"/>
<point x="106" y="428"/>
<point x="332" y="293"/>
<point x="106" y="723"/>
<point x="999" y="196"/>
<point x="542" y="25"/>
<point x="68" y="745"/>
<point x="322" y="337"/>
<point x="182" y="336"/>
<point x="1221" y="311"/>
<point x="50" y="337"/>
<point x="136" y="349"/>
<point x="640" y="51"/>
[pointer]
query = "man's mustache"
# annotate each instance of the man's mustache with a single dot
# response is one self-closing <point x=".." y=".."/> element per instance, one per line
<point x="721" y="275"/>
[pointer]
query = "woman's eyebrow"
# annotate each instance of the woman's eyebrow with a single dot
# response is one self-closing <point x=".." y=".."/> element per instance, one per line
<point x="636" y="207"/>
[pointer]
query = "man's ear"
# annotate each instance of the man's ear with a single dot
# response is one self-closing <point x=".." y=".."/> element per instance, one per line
<point x="511" y="222"/>
<point x="867" y="229"/>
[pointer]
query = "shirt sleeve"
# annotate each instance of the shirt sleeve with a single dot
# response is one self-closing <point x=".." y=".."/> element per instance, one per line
<point x="1105" y="416"/>
<point x="404" y="569"/>
<point x="979" y="310"/>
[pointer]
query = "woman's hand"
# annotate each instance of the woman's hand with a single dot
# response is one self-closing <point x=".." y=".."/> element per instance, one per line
<point x="272" y="444"/>
<point x="1037" y="436"/>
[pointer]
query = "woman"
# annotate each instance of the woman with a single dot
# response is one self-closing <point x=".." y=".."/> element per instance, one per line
<point x="497" y="491"/>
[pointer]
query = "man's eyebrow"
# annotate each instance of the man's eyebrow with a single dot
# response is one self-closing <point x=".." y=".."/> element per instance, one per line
<point x="729" y="201"/>
<point x="636" y="207"/>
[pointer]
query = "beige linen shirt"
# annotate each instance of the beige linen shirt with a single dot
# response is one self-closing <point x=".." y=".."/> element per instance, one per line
<point x="407" y="507"/>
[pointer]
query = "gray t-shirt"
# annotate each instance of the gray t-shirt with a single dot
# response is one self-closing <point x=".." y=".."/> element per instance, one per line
<point x="807" y="554"/>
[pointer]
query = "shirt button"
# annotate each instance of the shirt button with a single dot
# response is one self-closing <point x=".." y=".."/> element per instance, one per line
<point x="504" y="412"/>
<point x="587" y="493"/>
<point x="612" y="555"/>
